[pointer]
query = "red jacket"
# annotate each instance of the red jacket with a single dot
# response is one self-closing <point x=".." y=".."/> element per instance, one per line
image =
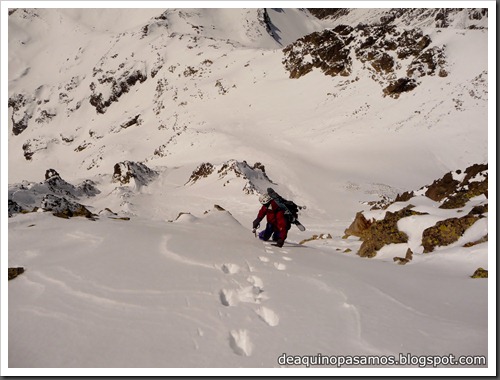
<point x="275" y="216"/>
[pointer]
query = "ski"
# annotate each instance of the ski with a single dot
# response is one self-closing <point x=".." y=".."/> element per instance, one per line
<point x="299" y="225"/>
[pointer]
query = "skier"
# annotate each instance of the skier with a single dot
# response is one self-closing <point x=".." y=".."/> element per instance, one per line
<point x="276" y="226"/>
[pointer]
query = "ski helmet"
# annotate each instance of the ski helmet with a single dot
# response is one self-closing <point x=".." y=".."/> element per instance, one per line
<point x="265" y="199"/>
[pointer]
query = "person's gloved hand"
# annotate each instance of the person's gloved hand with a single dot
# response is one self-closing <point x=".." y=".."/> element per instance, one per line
<point x="256" y="224"/>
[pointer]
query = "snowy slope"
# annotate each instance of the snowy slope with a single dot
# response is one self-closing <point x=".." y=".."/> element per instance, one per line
<point x="162" y="278"/>
<point x="149" y="294"/>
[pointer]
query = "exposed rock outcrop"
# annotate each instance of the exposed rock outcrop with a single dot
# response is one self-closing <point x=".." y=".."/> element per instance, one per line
<point x="316" y="237"/>
<point x="480" y="273"/>
<point x="380" y="48"/>
<point x="118" y="82"/>
<point x="14" y="272"/>
<point x="446" y="232"/>
<point x="385" y="231"/>
<point x="202" y="171"/>
<point x="454" y="190"/>
<point x="63" y="208"/>
<point x="404" y="260"/>
<point x="53" y="194"/>
<point x="15" y="208"/>
<point x="471" y="18"/>
<point x="22" y="112"/>
<point x="255" y="176"/>
<point x="126" y="171"/>
<point x="358" y="227"/>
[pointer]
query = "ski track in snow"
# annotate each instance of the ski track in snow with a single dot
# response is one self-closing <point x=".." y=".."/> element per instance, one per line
<point x="84" y="237"/>
<point x="84" y="296"/>
<point x="178" y="258"/>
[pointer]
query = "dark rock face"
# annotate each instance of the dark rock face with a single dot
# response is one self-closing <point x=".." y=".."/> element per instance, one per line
<point x="20" y="115"/>
<point x="133" y="121"/>
<point x="474" y="184"/>
<point x="53" y="194"/>
<point x="88" y="188"/>
<point x="380" y="48"/>
<point x="265" y="20"/>
<point x="438" y="17"/>
<point x="254" y="175"/>
<point x="332" y="13"/>
<point x="394" y="89"/>
<point x="327" y="50"/>
<point x="119" y="86"/>
<point x="14" y="208"/>
<point x="63" y="208"/>
<point x="454" y="193"/>
<point x="59" y="186"/>
<point x="202" y="171"/>
<point x="31" y="146"/>
<point x="125" y="171"/>
<point x="441" y="188"/>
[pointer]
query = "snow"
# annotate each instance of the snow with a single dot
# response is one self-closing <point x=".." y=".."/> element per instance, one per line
<point x="146" y="294"/>
<point x="182" y="287"/>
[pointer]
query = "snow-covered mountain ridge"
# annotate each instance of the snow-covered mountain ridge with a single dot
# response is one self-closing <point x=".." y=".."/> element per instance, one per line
<point x="161" y="127"/>
<point x="135" y="63"/>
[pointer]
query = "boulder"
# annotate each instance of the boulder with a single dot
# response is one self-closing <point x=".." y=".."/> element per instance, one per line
<point x="480" y="273"/>
<point x="63" y="208"/>
<point x="14" y="208"/>
<point x="446" y="232"/>
<point x="385" y="231"/>
<point x="406" y="259"/>
<point x="358" y="227"/>
<point x="14" y="272"/>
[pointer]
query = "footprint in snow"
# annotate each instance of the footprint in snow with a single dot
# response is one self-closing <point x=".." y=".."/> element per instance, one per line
<point x="226" y="297"/>
<point x="256" y="281"/>
<point x="230" y="268"/>
<point x="263" y="259"/>
<point x="250" y="294"/>
<point x="240" y="343"/>
<point x="280" y="266"/>
<point x="268" y="316"/>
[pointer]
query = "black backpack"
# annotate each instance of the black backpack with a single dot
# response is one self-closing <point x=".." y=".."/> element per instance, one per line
<point x="291" y="209"/>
